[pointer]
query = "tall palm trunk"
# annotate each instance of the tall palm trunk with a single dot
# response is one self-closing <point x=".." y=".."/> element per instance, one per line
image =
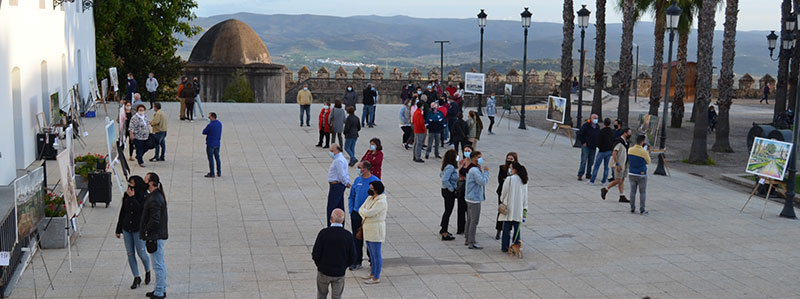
<point x="599" y="59"/>
<point x="794" y="71"/>
<point x="705" y="52"/>
<point x="783" y="67"/>
<point x="676" y="120"/>
<point x="721" y="143"/>
<point x="626" y="60"/>
<point x="566" y="58"/>
<point x="658" y="56"/>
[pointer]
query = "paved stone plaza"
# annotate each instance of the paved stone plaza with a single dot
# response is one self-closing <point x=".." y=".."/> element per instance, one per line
<point x="249" y="233"/>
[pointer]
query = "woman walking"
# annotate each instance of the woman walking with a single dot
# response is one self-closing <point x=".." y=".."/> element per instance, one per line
<point x="373" y="213"/>
<point x="491" y="111"/>
<point x="511" y="157"/>
<point x="125" y="114"/>
<point x="449" y="176"/>
<point x="189" y="93"/>
<point x="324" y="125"/>
<point x="515" y="197"/>
<point x="128" y="227"/>
<point x="475" y="188"/>
<point x="351" y="127"/>
<point x="374" y="156"/>
<point x="337" y="118"/>
<point x="463" y="167"/>
<point x="139" y="131"/>
<point x="405" y="123"/>
<point x="350" y="97"/>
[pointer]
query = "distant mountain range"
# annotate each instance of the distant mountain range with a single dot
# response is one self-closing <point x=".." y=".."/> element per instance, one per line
<point x="406" y="42"/>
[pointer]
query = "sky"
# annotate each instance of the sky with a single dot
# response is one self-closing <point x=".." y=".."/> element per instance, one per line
<point x="753" y="14"/>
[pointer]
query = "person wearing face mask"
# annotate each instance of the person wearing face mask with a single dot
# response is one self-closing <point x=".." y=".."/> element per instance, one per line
<point x="189" y="94"/>
<point x="418" y="122"/>
<point x="153" y="229"/>
<point x="605" y="144"/>
<point x="588" y="137"/>
<point x="405" y="92"/>
<point x="197" y="101"/>
<point x="213" y="132"/>
<point x="125" y="115"/>
<point x="451" y="89"/>
<point x="159" y="125"/>
<point x="130" y="214"/>
<point x="449" y="177"/>
<point x="373" y="212"/>
<point x="338" y="180"/>
<point x="358" y="194"/>
<point x="619" y="156"/>
<point x="491" y="111"/>
<point x="459" y="95"/>
<point x="458" y="132"/>
<point x="463" y="166"/>
<point x="304" y="99"/>
<point x="336" y="120"/>
<point x="618" y="128"/>
<point x="405" y="123"/>
<point x="515" y="196"/>
<point x="324" y="125"/>
<point x="139" y="131"/>
<point x="511" y="157"/>
<point x="350" y="98"/>
<point x="638" y="158"/>
<point x="131" y="85"/>
<point x="368" y="111"/>
<point x="453" y="109"/>
<point x="374" y="156"/>
<point x="475" y="188"/>
<point x="137" y="100"/>
<point x="432" y="96"/>
<point x="351" y="129"/>
<point x="434" y="121"/>
<point x="182" y="110"/>
<point x="152" y="85"/>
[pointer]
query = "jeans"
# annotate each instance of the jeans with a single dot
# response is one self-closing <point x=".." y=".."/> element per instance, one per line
<point x="587" y="159"/>
<point x="604" y="158"/>
<point x="638" y="182"/>
<point x="473" y="216"/>
<point x="335" y="199"/>
<point x="376" y="260"/>
<point x="418" y="140"/>
<point x="141" y="146"/>
<point x="199" y="107"/>
<point x="350" y="148"/>
<point x="433" y="139"/>
<point x="449" y="202"/>
<point x="446" y="133"/>
<point x="368" y="115"/>
<point x="507" y="226"/>
<point x="161" y="269"/>
<point x="355" y="223"/>
<point x="336" y="283"/>
<point x="307" y="110"/>
<point x="213" y="154"/>
<point x="134" y="246"/>
<point x="161" y="137"/>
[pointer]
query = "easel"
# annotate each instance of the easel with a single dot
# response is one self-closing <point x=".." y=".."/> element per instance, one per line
<point x="554" y="130"/>
<point x="507" y="108"/>
<point x="772" y="184"/>
<point x="662" y="155"/>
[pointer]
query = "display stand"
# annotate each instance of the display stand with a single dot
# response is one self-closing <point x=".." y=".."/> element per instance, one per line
<point x="772" y="184"/>
<point x="507" y="108"/>
<point x="662" y="161"/>
<point x="566" y="129"/>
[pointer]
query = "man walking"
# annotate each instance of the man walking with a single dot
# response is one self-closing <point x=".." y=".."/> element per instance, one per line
<point x="332" y="253"/>
<point x="304" y="99"/>
<point x="131" y="85"/>
<point x="368" y="112"/>
<point x="153" y="228"/>
<point x="638" y="158"/>
<point x="358" y="194"/>
<point x="620" y="159"/>
<point x="213" y="132"/>
<point x="338" y="180"/>
<point x="605" y="144"/>
<point x="418" y="121"/>
<point x="588" y="136"/>
<point x="152" y="85"/>
<point x="766" y="94"/>
<point x="159" y="125"/>
<point x="435" y="123"/>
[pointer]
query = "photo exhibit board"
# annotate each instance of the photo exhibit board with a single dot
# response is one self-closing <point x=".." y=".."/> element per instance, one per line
<point x="556" y="108"/>
<point x="474" y="83"/>
<point x="768" y="158"/>
<point x="66" y="171"/>
<point x="29" y="201"/>
<point x="648" y="126"/>
<point x="55" y="109"/>
<point x="104" y="86"/>
<point x="112" y="74"/>
<point x="111" y="138"/>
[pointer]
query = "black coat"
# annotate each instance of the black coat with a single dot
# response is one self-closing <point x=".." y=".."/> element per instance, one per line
<point x="589" y="134"/>
<point x="130" y="214"/>
<point x="333" y="251"/>
<point x="501" y="178"/>
<point x="153" y="225"/>
<point x="369" y="96"/>
<point x="605" y="140"/>
<point x="351" y="126"/>
<point x="459" y="131"/>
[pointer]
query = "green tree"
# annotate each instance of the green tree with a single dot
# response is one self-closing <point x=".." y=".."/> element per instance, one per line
<point x="141" y="37"/>
<point x="239" y="89"/>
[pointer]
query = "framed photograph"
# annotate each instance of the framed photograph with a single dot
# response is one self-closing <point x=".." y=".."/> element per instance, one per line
<point x="474" y="83"/>
<point x="649" y="126"/>
<point x="29" y="201"/>
<point x="555" y="109"/>
<point x="55" y="109"/>
<point x="768" y="158"/>
<point x="68" y="183"/>
<point x="112" y="74"/>
<point x="104" y="86"/>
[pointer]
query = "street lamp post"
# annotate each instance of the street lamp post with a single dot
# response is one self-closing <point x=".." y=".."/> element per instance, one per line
<point x="481" y="23"/>
<point x="673" y="18"/>
<point x="441" y="57"/>
<point x="583" y="22"/>
<point x="526" y="23"/>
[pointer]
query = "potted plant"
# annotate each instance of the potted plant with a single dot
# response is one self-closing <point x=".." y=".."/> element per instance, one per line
<point x="86" y="164"/>
<point x="51" y="230"/>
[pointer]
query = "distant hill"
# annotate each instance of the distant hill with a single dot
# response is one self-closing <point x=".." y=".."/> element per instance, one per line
<point x="406" y="42"/>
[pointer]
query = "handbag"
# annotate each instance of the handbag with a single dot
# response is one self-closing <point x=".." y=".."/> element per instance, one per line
<point x="152" y="142"/>
<point x="502" y="208"/>
<point x="360" y="233"/>
<point x="152" y="246"/>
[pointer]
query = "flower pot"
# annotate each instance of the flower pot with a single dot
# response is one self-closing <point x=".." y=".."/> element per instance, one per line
<point x="54" y="236"/>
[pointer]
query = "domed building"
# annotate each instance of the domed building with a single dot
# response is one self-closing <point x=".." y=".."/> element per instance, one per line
<point x="229" y="46"/>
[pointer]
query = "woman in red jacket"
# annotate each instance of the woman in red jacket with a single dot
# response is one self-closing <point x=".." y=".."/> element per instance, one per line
<point x="324" y="125"/>
<point x="374" y="156"/>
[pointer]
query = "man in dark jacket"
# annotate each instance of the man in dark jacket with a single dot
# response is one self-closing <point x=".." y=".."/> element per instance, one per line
<point x="368" y="112"/>
<point x="153" y="230"/>
<point x="452" y="112"/>
<point x="333" y="252"/>
<point x="351" y="128"/>
<point x="434" y="121"/>
<point x="605" y="144"/>
<point x="131" y="85"/>
<point x="213" y="132"/>
<point x="588" y="136"/>
<point x="458" y="135"/>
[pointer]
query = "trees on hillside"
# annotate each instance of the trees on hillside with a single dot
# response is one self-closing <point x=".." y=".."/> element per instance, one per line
<point x="599" y="58"/>
<point x="705" y="45"/>
<point x="721" y="142"/>
<point x="566" y="57"/>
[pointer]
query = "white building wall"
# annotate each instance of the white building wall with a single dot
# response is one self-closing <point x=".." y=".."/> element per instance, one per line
<point x="30" y="35"/>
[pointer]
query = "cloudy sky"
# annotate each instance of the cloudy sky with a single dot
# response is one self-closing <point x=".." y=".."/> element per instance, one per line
<point x="753" y="14"/>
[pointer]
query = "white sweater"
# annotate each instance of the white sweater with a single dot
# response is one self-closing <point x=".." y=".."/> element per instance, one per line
<point x="515" y="196"/>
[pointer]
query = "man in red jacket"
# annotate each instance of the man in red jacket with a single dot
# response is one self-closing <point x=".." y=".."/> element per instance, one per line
<point x="418" y="122"/>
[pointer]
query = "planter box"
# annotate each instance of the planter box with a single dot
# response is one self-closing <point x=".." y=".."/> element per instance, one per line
<point x="55" y="236"/>
<point x="81" y="182"/>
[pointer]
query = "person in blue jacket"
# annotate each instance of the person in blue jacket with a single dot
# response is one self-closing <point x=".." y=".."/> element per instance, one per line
<point x="213" y="132"/>
<point x="359" y="191"/>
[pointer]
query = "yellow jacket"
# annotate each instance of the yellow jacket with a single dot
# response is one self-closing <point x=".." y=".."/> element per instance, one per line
<point x="373" y="211"/>
<point x="304" y="97"/>
<point x="159" y="122"/>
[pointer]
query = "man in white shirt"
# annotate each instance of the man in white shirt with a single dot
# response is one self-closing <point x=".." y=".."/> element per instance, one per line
<point x="152" y="86"/>
<point x="338" y="180"/>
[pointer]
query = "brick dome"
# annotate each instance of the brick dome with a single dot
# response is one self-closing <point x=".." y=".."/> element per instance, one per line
<point x="231" y="42"/>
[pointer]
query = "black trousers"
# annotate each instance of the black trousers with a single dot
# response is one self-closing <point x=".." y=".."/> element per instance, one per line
<point x="335" y="199"/>
<point x="152" y="96"/>
<point x="449" y="202"/>
<point x="355" y="223"/>
<point x="408" y="134"/>
<point x="327" y="137"/>
<point x="499" y="224"/>
<point x="190" y="110"/>
<point x="461" y="213"/>
<point x="458" y="143"/>
<point x="491" y="124"/>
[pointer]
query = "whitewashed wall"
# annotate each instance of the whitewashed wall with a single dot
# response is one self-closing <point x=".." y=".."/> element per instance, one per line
<point x="33" y="34"/>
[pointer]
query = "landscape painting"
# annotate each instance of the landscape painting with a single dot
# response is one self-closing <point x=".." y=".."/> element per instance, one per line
<point x="29" y="201"/>
<point x="555" y="109"/>
<point x="768" y="158"/>
<point x="648" y="125"/>
<point x="474" y="82"/>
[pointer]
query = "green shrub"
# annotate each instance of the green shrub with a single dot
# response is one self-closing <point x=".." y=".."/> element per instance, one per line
<point x="239" y="89"/>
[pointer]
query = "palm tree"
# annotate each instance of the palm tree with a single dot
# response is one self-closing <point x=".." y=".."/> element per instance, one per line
<point x="629" y="17"/>
<point x="688" y="10"/>
<point x="721" y="143"/>
<point x="599" y="59"/>
<point x="658" y="8"/>
<point x="705" y="45"/>
<point x="566" y="58"/>
<point x="783" y="67"/>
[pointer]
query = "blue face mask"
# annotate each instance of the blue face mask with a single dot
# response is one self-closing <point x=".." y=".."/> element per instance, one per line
<point x="331" y="154"/>
<point x="359" y="172"/>
<point x="594" y="121"/>
<point x="349" y="89"/>
<point x="373" y="89"/>
<point x="480" y="161"/>
<point x="373" y="147"/>
<point x="509" y="171"/>
<point x="429" y="87"/>
<point x="466" y="154"/>
<point x="419" y="91"/>
<point x="305" y="88"/>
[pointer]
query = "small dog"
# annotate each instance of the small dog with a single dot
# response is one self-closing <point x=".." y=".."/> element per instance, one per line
<point x="516" y="249"/>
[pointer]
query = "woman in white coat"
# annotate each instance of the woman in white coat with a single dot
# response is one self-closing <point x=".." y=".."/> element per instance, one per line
<point x="373" y="213"/>
<point x="515" y="197"/>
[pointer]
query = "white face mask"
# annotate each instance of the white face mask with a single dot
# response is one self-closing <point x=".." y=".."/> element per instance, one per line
<point x="141" y="113"/>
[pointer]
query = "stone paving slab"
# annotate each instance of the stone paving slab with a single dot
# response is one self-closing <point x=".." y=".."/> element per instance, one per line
<point x="249" y="233"/>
